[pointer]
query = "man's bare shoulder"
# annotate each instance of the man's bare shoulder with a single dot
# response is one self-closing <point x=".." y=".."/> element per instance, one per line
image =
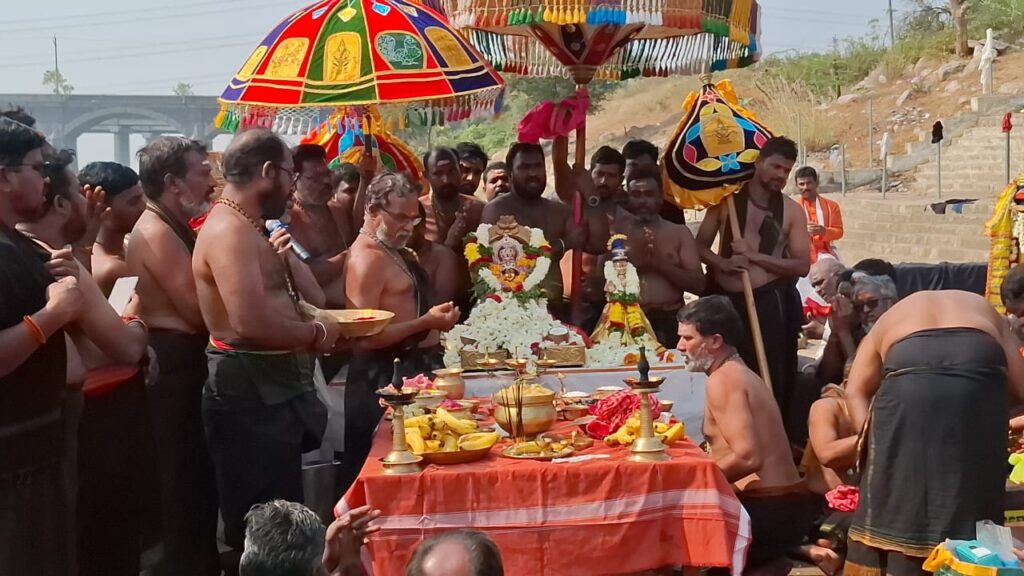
<point x="731" y="378"/>
<point x="472" y="202"/>
<point x="153" y="238"/>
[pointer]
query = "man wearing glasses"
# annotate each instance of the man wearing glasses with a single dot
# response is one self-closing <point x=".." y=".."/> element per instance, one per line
<point x="309" y="219"/>
<point x="384" y="274"/>
<point x="175" y="176"/>
<point x="34" y="308"/>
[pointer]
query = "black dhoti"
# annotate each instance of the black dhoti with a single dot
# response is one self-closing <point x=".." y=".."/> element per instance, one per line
<point x="935" y="450"/>
<point x="780" y="314"/>
<point x="118" y="480"/>
<point x="188" y="489"/>
<point x="369" y="372"/>
<point x="261" y="413"/>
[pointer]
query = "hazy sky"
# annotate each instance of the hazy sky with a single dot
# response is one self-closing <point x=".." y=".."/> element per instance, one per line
<point x="147" y="47"/>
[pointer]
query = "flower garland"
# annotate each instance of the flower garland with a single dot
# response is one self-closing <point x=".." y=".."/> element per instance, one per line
<point x="508" y="324"/>
<point x="487" y="273"/>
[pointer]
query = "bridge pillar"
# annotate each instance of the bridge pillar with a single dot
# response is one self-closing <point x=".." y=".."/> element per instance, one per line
<point x="122" y="146"/>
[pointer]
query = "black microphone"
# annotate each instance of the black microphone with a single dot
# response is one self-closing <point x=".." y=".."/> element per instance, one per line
<point x="275" y="225"/>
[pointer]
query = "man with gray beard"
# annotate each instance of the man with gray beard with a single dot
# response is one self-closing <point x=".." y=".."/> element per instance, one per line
<point x="175" y="176"/>
<point x="384" y="274"/>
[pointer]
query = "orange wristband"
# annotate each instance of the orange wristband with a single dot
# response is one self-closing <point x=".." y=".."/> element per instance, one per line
<point x="34" y="328"/>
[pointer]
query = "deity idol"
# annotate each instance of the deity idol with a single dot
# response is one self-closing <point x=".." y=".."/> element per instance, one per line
<point x="622" y="318"/>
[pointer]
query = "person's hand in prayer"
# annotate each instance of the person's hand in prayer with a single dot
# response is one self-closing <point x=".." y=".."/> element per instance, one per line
<point x="457" y="232"/>
<point x="345" y="536"/>
<point x="96" y="207"/>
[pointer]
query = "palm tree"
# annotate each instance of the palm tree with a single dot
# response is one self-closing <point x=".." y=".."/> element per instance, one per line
<point x="184" y="90"/>
<point x="57" y="82"/>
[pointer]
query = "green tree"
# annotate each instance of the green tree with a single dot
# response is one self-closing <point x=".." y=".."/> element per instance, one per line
<point x="184" y="90"/>
<point x="57" y="82"/>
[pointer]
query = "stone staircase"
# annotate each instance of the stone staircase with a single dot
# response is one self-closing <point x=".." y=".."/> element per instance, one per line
<point x="974" y="165"/>
<point x="902" y="228"/>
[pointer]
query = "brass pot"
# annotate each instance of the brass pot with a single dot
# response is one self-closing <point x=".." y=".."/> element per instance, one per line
<point x="538" y="414"/>
<point x="450" y="381"/>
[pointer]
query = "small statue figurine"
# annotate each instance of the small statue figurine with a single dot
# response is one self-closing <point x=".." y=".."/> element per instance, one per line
<point x="622" y="316"/>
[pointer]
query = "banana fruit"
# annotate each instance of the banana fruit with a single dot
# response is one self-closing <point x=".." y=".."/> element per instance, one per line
<point x="478" y="440"/>
<point x="442" y="432"/>
<point x="454" y="424"/>
<point x="630" y="431"/>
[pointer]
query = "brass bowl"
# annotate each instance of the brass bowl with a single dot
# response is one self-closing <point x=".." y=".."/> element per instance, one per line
<point x="538" y="416"/>
<point x="457" y="457"/>
<point x="652" y="383"/>
<point x="358" y="323"/>
<point x="405" y="397"/>
<point x="429" y="399"/>
<point x="466" y="410"/>
<point x="574" y="411"/>
<point x="449" y="380"/>
<point x="518" y="364"/>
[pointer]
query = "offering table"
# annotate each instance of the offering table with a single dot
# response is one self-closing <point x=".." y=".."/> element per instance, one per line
<point x="600" y="516"/>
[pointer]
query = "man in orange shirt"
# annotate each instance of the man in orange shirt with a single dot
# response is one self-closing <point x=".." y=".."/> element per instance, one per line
<point x="824" y="220"/>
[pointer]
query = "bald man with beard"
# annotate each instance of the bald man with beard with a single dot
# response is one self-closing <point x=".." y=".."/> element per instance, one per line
<point x="260" y="408"/>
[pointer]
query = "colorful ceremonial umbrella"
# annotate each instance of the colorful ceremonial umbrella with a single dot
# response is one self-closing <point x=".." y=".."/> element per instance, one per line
<point x="400" y="55"/>
<point x="610" y="39"/>
<point x="345" y="136"/>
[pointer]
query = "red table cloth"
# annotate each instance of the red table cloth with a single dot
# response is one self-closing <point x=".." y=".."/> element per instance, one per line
<point x="602" y="516"/>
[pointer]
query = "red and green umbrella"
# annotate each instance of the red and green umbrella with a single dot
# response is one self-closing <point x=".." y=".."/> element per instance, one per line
<point x="400" y="55"/>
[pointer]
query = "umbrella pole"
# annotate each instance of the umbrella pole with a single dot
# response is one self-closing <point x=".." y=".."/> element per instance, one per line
<point x="748" y="296"/>
<point x="576" y="285"/>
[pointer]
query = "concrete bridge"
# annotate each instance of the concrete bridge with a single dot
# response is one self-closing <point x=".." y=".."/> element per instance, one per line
<point x="65" y="118"/>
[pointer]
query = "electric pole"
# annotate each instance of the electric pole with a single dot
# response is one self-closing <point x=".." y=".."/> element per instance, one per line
<point x="892" y="28"/>
<point x="56" y="63"/>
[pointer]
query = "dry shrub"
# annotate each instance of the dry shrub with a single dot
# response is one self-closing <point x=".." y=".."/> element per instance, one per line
<point x="779" y="104"/>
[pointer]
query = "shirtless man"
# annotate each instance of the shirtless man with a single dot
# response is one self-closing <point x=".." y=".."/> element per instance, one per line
<point x="438" y="261"/>
<point x="744" y="432"/>
<point x="383" y="274"/>
<point x="600" y="210"/>
<point x="775" y="251"/>
<point x="527" y="204"/>
<point x="345" y="180"/>
<point x="665" y="254"/>
<point x="450" y="214"/>
<point x="495" y="180"/>
<point x="260" y="406"/>
<point x="114" y="488"/>
<point x="310" y="221"/>
<point x="640" y="153"/>
<point x="175" y="176"/>
<point x="936" y="375"/>
<point x="124" y="196"/>
<point x="472" y="160"/>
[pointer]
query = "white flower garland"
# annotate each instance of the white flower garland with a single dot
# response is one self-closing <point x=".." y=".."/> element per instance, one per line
<point x="508" y="325"/>
<point x="542" y="264"/>
<point x="632" y="279"/>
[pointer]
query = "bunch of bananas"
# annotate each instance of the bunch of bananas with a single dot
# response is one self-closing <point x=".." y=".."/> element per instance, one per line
<point x="630" y="431"/>
<point x="442" y="432"/>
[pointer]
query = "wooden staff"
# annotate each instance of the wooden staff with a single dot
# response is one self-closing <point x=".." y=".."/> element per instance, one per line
<point x="576" y="290"/>
<point x="748" y="296"/>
